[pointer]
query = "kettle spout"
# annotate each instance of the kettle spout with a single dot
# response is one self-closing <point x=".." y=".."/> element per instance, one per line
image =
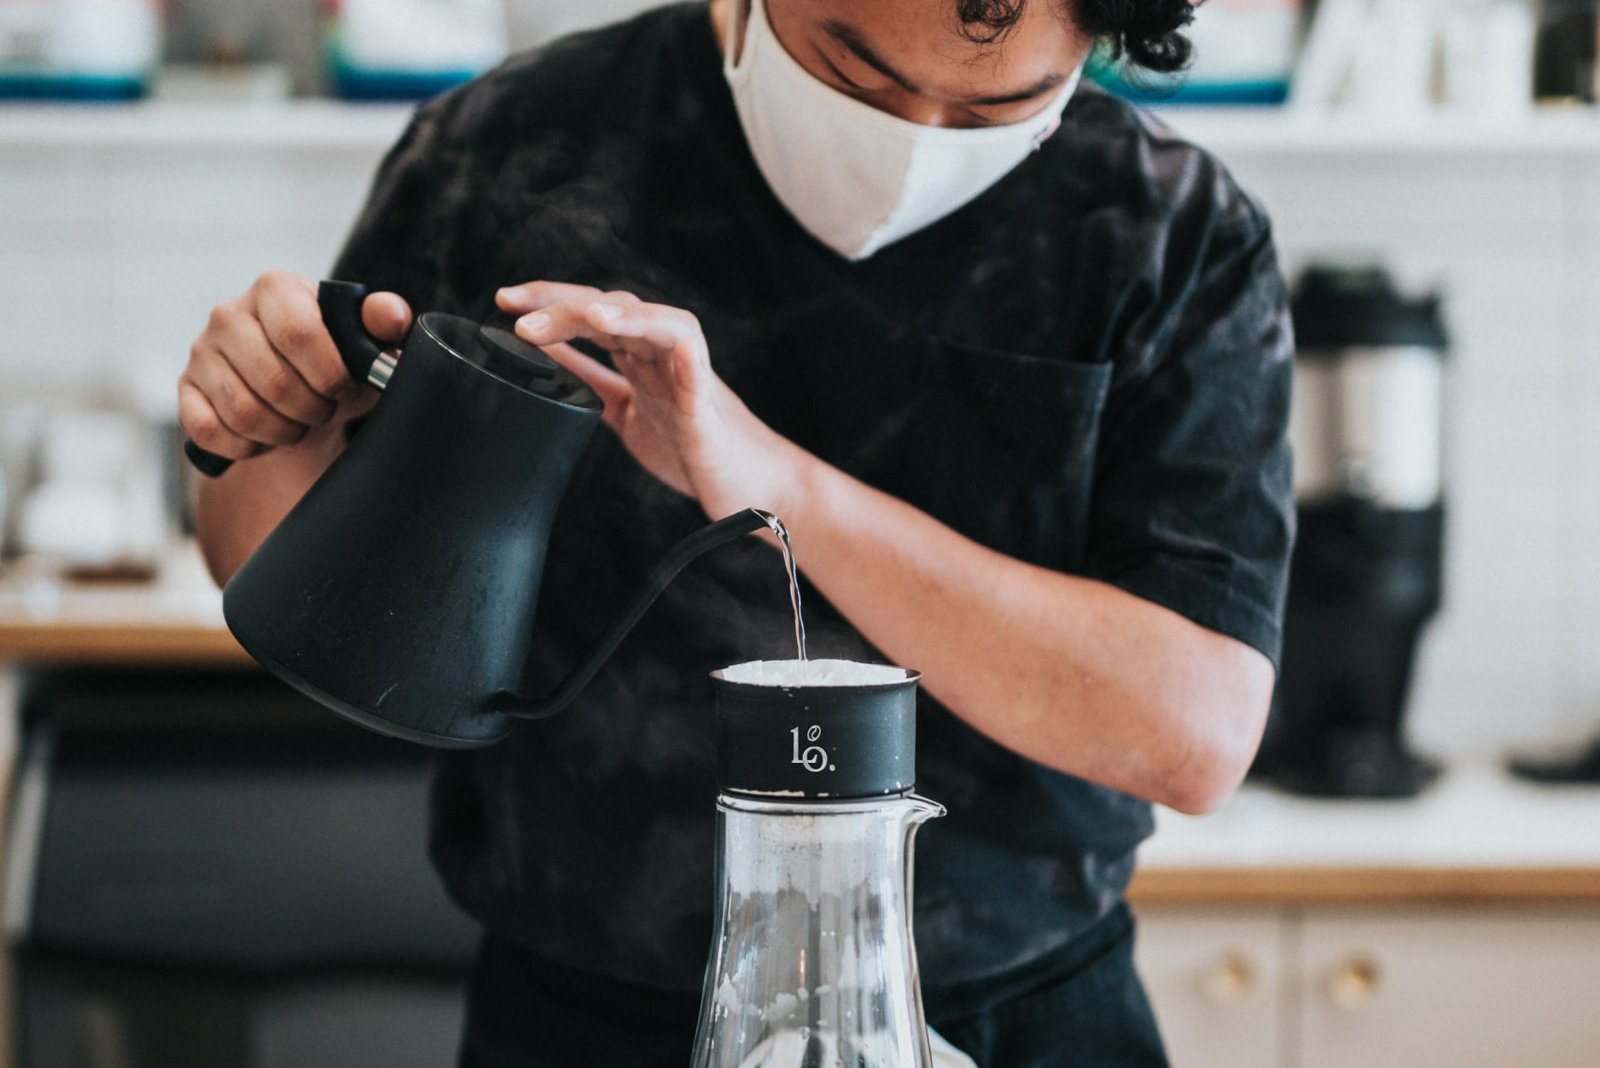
<point x="691" y="548"/>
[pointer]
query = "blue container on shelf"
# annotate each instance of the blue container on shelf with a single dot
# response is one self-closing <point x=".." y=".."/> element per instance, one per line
<point x="1244" y="54"/>
<point x="72" y="50"/>
<point x="410" y="49"/>
<point x="1162" y="91"/>
<point x="18" y="85"/>
<point x="349" y="82"/>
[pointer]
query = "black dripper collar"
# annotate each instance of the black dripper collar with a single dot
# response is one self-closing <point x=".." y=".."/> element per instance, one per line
<point x="816" y="743"/>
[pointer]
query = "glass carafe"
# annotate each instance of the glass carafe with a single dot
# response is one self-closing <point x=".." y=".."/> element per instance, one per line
<point x="813" y="964"/>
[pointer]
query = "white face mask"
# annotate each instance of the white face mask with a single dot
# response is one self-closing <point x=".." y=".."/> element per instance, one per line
<point x="855" y="177"/>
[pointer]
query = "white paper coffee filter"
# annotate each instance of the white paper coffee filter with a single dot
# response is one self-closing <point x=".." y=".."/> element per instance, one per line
<point x="812" y="673"/>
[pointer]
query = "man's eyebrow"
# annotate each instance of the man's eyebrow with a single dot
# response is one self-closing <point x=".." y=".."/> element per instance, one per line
<point x="1038" y="88"/>
<point x="851" y="38"/>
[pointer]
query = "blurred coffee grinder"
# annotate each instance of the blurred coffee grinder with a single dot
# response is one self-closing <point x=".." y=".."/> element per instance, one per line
<point x="1367" y="573"/>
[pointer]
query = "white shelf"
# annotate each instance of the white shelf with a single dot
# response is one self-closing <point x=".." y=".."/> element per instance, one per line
<point x="316" y="125"/>
<point x="1554" y="131"/>
<point x="326" y="125"/>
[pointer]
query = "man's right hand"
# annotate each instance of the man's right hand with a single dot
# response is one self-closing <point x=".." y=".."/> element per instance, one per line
<point x="265" y="371"/>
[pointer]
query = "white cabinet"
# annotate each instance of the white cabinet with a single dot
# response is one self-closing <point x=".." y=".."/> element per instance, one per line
<point x="1385" y="986"/>
<point x="1214" y="977"/>
<point x="1467" y="988"/>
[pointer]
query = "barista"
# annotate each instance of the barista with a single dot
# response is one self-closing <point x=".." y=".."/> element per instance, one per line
<point x="1011" y="360"/>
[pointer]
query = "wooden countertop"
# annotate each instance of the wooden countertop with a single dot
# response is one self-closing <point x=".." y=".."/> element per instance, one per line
<point x="1269" y="885"/>
<point x="1477" y="836"/>
<point x="174" y="621"/>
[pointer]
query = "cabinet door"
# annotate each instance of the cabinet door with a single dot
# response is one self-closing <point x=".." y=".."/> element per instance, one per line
<point x="1214" y="977"/>
<point x="1462" y="987"/>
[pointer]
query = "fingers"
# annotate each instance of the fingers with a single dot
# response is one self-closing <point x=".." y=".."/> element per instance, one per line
<point x="612" y="388"/>
<point x="206" y="429"/>
<point x="535" y="296"/>
<point x="559" y="311"/>
<point x="286" y="306"/>
<point x="235" y="404"/>
<point x="387" y="317"/>
<point x="657" y="325"/>
<point x="271" y="376"/>
<point x="263" y="372"/>
<point x="622" y="326"/>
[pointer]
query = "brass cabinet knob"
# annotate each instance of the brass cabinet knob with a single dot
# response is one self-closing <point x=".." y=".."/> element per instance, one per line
<point x="1354" y="983"/>
<point x="1230" y="980"/>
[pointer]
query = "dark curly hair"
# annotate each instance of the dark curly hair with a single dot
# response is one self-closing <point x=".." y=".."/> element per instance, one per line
<point x="1146" y="32"/>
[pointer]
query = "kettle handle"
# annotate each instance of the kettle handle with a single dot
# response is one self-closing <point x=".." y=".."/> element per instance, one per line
<point x="362" y="353"/>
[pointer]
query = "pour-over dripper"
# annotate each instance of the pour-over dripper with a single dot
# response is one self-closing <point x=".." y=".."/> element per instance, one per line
<point x="813" y="962"/>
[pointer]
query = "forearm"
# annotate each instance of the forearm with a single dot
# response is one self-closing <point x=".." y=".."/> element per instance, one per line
<point x="235" y="513"/>
<point x="1074" y="673"/>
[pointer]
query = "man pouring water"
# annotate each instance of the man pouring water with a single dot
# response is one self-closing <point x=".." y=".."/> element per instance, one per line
<point x="1009" y="358"/>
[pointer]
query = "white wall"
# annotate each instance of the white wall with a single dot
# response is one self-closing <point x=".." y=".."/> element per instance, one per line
<point x="111" y="258"/>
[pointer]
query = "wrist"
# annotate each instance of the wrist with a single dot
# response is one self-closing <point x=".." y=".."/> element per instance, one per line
<point x="751" y="465"/>
<point x="794" y="482"/>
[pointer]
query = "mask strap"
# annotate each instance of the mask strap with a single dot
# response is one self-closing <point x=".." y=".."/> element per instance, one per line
<point x="738" y="34"/>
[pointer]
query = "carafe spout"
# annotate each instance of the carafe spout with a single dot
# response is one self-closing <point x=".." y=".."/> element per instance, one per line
<point x="920" y="810"/>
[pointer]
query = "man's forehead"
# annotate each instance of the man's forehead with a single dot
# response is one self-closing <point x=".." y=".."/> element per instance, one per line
<point x="922" y="45"/>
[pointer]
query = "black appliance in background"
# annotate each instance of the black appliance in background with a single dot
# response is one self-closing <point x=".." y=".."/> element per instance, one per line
<point x="1367" y="572"/>
<point x="1578" y="767"/>
<point x="209" y="871"/>
<point x="1565" y="50"/>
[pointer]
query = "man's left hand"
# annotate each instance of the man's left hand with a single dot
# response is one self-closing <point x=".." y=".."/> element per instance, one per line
<point x="671" y="410"/>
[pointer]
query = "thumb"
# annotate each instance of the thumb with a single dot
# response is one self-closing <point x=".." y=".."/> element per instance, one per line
<point x="386" y="316"/>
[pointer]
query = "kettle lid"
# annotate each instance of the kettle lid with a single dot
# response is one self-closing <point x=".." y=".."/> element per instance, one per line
<point x="506" y="357"/>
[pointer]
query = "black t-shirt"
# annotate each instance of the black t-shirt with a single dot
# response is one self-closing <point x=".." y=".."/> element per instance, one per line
<point x="1087" y="368"/>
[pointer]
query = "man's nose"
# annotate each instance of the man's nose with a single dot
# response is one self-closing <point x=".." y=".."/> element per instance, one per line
<point x="924" y="111"/>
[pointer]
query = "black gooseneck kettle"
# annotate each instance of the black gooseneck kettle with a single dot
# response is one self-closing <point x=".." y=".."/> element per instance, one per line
<point x="400" y="590"/>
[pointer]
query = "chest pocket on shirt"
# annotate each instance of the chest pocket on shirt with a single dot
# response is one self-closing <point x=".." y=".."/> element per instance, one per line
<point x="1001" y="446"/>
